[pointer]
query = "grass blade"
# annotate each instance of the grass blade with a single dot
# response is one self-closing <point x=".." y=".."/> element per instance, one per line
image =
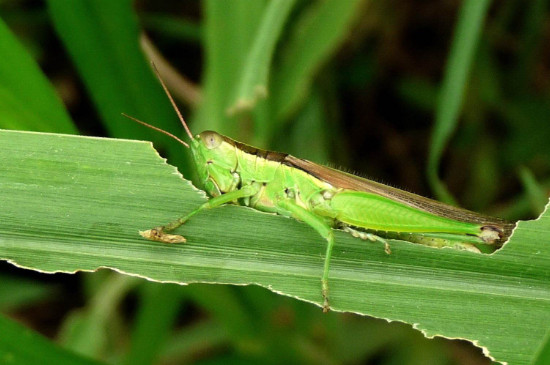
<point x="27" y="100"/>
<point x="19" y="345"/>
<point x="313" y="38"/>
<point x="225" y="47"/>
<point x="465" y="40"/>
<point x="253" y="82"/>
<point x="102" y="38"/>
<point x="76" y="203"/>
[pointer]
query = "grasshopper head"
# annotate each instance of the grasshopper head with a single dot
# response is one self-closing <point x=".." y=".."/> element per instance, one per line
<point x="216" y="162"/>
<point x="214" y="154"/>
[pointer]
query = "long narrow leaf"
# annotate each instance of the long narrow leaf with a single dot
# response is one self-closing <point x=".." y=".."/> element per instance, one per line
<point x="21" y="346"/>
<point x="314" y="37"/>
<point x="253" y="81"/>
<point x="465" y="40"/>
<point x="76" y="203"/>
<point x="27" y="100"/>
<point x="102" y="38"/>
<point x="225" y="47"/>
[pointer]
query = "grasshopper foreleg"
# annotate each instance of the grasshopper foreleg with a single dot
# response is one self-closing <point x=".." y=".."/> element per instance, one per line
<point x="159" y="233"/>
<point x="324" y="230"/>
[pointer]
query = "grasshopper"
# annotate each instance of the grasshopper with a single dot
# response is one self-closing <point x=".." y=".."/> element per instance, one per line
<point x="324" y="198"/>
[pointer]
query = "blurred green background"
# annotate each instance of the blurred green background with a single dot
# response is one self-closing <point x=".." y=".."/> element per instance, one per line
<point x="448" y="99"/>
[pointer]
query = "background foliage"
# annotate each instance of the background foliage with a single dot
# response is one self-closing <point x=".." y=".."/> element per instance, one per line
<point x="458" y="90"/>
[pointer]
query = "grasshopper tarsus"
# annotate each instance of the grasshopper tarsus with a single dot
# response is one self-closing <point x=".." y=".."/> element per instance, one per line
<point x="326" y="306"/>
<point x="157" y="234"/>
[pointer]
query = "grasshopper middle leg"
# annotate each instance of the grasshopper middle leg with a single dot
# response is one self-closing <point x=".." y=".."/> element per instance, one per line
<point x="324" y="230"/>
<point x="368" y="236"/>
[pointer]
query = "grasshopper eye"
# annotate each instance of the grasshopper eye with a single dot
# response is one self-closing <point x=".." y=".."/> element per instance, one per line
<point x="211" y="139"/>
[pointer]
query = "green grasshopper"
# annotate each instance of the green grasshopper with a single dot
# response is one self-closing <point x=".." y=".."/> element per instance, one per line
<point x="323" y="198"/>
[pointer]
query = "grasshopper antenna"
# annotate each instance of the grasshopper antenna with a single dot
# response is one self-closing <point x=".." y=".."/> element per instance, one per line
<point x="157" y="129"/>
<point x="172" y="101"/>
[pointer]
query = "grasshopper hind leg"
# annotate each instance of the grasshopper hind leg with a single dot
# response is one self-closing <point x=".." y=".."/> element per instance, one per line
<point x="426" y="239"/>
<point x="430" y="240"/>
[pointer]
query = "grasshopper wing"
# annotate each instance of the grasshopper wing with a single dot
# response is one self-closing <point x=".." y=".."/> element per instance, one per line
<point x="343" y="180"/>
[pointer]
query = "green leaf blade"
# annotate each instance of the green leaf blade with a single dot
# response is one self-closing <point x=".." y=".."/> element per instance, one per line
<point x="313" y="39"/>
<point x="17" y="340"/>
<point x="466" y="36"/>
<point x="112" y="65"/>
<point x="27" y="99"/>
<point x="252" y="84"/>
<point x="76" y="203"/>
